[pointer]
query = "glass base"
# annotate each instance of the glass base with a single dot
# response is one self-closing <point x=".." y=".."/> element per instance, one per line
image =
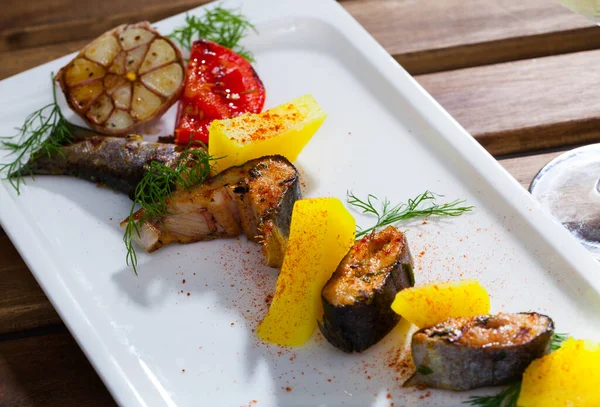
<point x="569" y="187"/>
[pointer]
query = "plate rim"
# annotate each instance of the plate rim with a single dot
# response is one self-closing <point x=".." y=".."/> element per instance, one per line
<point x="44" y="266"/>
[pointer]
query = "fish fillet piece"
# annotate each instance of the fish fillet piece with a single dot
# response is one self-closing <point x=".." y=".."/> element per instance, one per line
<point x="357" y="298"/>
<point x="488" y="350"/>
<point x="126" y="77"/>
<point x="117" y="162"/>
<point x="256" y="198"/>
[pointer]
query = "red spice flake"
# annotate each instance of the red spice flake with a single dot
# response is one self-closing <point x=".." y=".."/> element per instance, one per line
<point x="329" y="380"/>
<point x="183" y="281"/>
<point x="368" y="377"/>
<point x="424" y="222"/>
<point x="194" y="273"/>
<point x="232" y="324"/>
<point x="400" y="360"/>
<point x="292" y="358"/>
<point x="268" y="299"/>
<point x="388" y="396"/>
<point x="270" y="125"/>
<point x="188" y="294"/>
<point x="422" y="253"/>
<point x="182" y="370"/>
<point x="109" y="218"/>
<point x="288" y="389"/>
<point x="424" y="396"/>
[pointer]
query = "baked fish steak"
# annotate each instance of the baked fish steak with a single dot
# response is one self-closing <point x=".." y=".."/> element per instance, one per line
<point x="256" y="198"/>
<point x="488" y="350"/>
<point x="357" y="298"/>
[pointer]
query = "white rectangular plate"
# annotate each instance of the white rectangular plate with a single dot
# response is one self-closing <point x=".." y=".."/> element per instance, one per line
<point x="156" y="340"/>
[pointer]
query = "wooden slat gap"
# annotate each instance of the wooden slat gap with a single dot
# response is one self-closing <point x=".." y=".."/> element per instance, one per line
<point x="529" y="154"/>
<point x="539" y="139"/>
<point x="33" y="332"/>
<point x="505" y="50"/>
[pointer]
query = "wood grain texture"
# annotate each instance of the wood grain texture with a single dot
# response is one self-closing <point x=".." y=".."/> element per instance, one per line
<point x="523" y="169"/>
<point x="424" y="36"/>
<point x="23" y="304"/>
<point x="39" y="22"/>
<point x="14" y="62"/>
<point x="432" y="36"/>
<point x="48" y="370"/>
<point x="525" y="105"/>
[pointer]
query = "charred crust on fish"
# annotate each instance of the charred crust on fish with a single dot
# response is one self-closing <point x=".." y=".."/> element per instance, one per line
<point x="488" y="350"/>
<point x="247" y="199"/>
<point x="357" y="298"/>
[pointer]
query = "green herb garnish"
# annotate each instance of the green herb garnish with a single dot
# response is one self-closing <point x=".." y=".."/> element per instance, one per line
<point x="422" y="206"/>
<point x="30" y="140"/>
<point x="557" y="341"/>
<point x="223" y="26"/>
<point x="424" y="370"/>
<point x="506" y="398"/>
<point x="159" y="181"/>
<point x="509" y="396"/>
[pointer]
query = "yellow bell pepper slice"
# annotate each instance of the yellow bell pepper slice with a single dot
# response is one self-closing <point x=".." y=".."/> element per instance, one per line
<point x="321" y="233"/>
<point x="283" y="130"/>
<point x="567" y="377"/>
<point x="434" y="303"/>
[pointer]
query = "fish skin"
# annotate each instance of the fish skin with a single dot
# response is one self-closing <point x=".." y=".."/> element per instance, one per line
<point x="446" y="364"/>
<point x="358" y="326"/>
<point x="118" y="162"/>
<point x="256" y="198"/>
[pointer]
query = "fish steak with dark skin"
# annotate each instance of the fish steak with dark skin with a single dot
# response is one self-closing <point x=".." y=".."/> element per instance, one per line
<point x="471" y="352"/>
<point x="357" y="298"/>
<point x="117" y="162"/>
<point x="255" y="198"/>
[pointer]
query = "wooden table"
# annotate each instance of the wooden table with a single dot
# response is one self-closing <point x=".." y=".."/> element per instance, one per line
<point x="520" y="76"/>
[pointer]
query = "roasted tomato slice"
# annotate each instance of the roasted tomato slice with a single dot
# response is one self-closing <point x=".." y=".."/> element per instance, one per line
<point x="219" y="84"/>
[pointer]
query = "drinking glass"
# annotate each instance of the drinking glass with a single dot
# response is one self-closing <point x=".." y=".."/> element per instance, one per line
<point x="569" y="185"/>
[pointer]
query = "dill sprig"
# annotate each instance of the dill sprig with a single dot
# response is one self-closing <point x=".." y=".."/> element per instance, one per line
<point x="158" y="182"/>
<point x="422" y="205"/>
<point x="30" y="141"/>
<point x="557" y="341"/>
<point x="509" y="396"/>
<point x="223" y="26"/>
<point x="506" y="398"/>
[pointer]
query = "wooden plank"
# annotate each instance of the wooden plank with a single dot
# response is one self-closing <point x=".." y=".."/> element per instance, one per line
<point x="48" y="370"/>
<point x="23" y="304"/>
<point x="33" y="23"/>
<point x="525" y="168"/>
<point x="14" y="62"/>
<point x="524" y="105"/>
<point x="424" y="36"/>
<point x="432" y="36"/>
